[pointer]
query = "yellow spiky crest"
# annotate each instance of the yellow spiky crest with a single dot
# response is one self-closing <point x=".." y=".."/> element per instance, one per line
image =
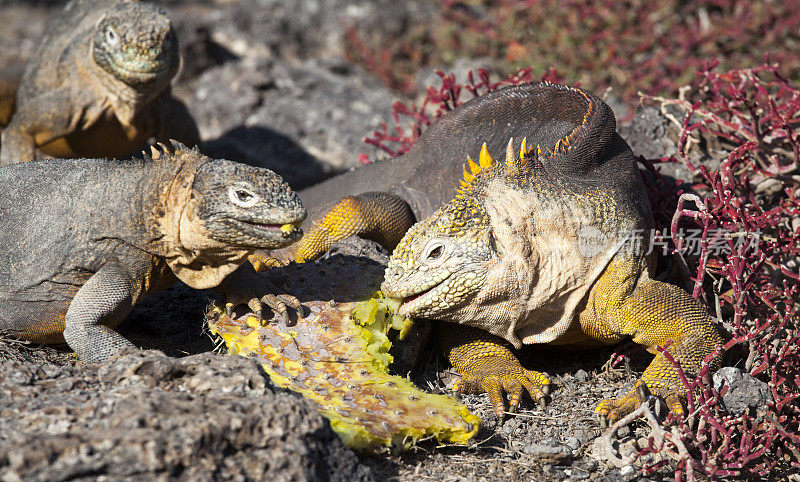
<point x="510" y="151"/>
<point x="485" y="160"/>
<point x="158" y="151"/>
<point x="523" y="148"/>
<point x="468" y="175"/>
<point x="471" y="169"/>
<point x="474" y="168"/>
<point x="162" y="152"/>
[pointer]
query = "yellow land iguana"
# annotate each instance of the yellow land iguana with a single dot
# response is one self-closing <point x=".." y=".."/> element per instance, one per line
<point x="84" y="240"/>
<point x="98" y="86"/>
<point x="544" y="244"/>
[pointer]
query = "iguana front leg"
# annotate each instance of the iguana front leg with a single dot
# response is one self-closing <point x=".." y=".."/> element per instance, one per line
<point x="486" y="364"/>
<point x="38" y="122"/>
<point x="103" y="301"/>
<point x="653" y="315"/>
<point x="379" y="216"/>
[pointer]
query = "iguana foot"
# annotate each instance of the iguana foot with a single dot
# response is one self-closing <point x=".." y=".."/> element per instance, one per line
<point x="495" y="375"/>
<point x="613" y="409"/>
<point x="263" y="261"/>
<point x="279" y="304"/>
<point x="245" y="287"/>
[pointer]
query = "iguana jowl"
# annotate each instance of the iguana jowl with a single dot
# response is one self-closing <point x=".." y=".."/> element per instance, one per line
<point x="545" y="244"/>
<point x="98" y="85"/>
<point x="82" y="241"/>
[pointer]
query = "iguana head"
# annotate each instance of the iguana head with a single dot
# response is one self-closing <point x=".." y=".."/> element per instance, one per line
<point x="442" y="262"/>
<point x="215" y="204"/>
<point x="135" y="43"/>
<point x="245" y="206"/>
<point x="212" y="213"/>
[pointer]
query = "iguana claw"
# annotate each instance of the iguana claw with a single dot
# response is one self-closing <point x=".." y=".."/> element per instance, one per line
<point x="496" y="375"/>
<point x="279" y="304"/>
<point x="612" y="410"/>
<point x="256" y="291"/>
<point x="263" y="261"/>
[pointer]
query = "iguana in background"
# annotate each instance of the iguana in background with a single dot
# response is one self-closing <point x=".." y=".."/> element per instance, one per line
<point x="98" y="85"/>
<point x="9" y="83"/>
<point x="82" y="241"/>
<point x="545" y="244"/>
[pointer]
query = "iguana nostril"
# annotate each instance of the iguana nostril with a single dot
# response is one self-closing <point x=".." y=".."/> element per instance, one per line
<point x="395" y="272"/>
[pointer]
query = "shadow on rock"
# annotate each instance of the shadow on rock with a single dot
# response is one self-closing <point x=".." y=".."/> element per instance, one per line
<point x="263" y="147"/>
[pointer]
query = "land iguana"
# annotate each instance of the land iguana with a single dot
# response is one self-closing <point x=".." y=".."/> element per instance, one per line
<point x="84" y="240"/>
<point x="98" y="85"/>
<point x="546" y="244"/>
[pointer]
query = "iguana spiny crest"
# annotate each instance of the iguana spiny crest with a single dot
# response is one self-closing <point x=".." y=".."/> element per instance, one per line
<point x="442" y="262"/>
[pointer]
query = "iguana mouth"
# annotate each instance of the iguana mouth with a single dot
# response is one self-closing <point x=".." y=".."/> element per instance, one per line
<point x="407" y="306"/>
<point x="285" y="230"/>
<point x="143" y="71"/>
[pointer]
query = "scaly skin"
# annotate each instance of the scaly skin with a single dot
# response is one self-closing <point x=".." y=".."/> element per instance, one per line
<point x="84" y="240"/>
<point x="98" y="86"/>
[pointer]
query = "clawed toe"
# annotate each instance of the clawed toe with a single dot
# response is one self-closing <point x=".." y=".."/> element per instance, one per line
<point x="611" y="410"/>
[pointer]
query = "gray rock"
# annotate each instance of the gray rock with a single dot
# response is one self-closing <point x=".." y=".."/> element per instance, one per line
<point x="311" y="28"/>
<point x="304" y="120"/>
<point x="143" y="415"/>
<point x="726" y="376"/>
<point x="650" y="134"/>
<point x="581" y="375"/>
<point x="745" y="392"/>
<point x="547" y="452"/>
<point x="577" y="473"/>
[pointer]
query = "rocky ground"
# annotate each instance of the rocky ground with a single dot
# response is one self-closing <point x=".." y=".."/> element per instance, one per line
<point x="268" y="83"/>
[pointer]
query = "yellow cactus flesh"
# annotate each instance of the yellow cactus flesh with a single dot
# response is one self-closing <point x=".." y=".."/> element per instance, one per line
<point x="337" y="356"/>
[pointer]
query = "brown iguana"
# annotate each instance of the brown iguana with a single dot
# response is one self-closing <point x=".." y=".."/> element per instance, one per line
<point x="84" y="240"/>
<point x="538" y="246"/>
<point x="98" y="86"/>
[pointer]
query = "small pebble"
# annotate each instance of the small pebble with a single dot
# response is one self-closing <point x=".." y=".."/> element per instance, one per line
<point x="573" y="443"/>
<point x="581" y="375"/>
<point x="579" y="474"/>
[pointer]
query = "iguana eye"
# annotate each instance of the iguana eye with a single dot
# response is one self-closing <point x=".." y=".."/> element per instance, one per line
<point x="433" y="252"/>
<point x="242" y="196"/>
<point x="111" y="36"/>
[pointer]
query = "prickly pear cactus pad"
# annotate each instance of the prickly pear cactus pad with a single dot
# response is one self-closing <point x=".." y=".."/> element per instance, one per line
<point x="338" y="354"/>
